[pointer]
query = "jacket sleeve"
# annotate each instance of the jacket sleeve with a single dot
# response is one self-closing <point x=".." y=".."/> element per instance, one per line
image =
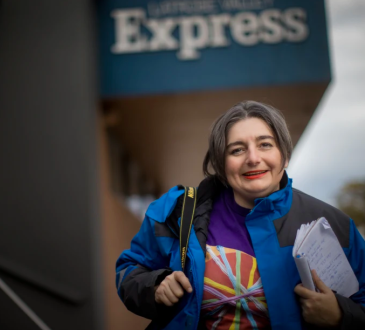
<point x="354" y="308"/>
<point x="139" y="270"/>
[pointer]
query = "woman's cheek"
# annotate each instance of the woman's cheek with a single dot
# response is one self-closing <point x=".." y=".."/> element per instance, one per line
<point x="233" y="168"/>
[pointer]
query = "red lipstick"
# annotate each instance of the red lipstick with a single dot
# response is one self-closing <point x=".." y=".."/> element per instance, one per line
<point x="252" y="175"/>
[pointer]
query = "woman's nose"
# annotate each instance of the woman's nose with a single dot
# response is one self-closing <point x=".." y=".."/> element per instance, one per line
<point x="253" y="156"/>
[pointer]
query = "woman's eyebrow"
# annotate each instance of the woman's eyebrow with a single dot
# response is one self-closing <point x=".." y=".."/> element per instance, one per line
<point x="264" y="137"/>
<point x="259" y="138"/>
<point x="237" y="143"/>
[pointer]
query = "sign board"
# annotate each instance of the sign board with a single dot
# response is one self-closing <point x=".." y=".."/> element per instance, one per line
<point x="169" y="46"/>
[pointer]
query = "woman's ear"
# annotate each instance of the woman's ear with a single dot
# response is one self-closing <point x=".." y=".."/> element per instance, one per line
<point x="286" y="164"/>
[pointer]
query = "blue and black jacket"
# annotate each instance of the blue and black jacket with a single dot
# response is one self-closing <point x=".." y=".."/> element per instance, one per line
<point x="272" y="224"/>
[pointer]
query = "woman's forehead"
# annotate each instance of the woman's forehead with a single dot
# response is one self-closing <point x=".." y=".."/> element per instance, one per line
<point x="249" y="129"/>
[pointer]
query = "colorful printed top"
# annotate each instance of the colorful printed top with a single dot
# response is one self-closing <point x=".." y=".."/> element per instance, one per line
<point x="233" y="297"/>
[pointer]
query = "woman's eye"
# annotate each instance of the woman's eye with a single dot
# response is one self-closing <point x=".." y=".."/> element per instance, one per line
<point x="236" y="151"/>
<point x="266" y="145"/>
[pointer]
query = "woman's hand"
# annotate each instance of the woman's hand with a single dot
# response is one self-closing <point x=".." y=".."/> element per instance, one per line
<point x="172" y="289"/>
<point x="319" y="308"/>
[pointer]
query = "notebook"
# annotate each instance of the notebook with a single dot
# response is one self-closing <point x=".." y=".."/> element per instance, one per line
<point x="317" y="247"/>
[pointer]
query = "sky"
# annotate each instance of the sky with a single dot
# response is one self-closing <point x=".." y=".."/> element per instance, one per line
<point x="331" y="151"/>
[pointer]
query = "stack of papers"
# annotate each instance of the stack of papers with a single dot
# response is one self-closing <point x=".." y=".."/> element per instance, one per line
<point x="317" y="247"/>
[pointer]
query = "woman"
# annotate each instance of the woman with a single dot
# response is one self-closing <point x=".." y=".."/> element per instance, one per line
<point x="240" y="272"/>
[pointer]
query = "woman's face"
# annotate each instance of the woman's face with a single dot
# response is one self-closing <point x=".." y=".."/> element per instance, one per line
<point x="252" y="161"/>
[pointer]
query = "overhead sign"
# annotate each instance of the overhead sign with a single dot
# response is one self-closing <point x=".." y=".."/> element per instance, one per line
<point x="166" y="46"/>
<point x="246" y="28"/>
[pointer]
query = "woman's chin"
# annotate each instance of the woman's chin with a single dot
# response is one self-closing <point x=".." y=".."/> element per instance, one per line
<point x="255" y="191"/>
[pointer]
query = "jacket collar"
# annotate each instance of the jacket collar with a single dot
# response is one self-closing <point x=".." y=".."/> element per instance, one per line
<point x="211" y="187"/>
<point x="278" y="202"/>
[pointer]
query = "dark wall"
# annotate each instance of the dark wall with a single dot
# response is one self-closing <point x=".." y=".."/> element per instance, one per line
<point x="49" y="216"/>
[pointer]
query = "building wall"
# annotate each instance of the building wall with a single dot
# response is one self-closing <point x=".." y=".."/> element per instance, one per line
<point x="49" y="205"/>
<point x="168" y="134"/>
<point x="118" y="228"/>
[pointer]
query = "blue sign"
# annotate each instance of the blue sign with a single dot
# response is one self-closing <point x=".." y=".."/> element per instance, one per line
<point x="169" y="46"/>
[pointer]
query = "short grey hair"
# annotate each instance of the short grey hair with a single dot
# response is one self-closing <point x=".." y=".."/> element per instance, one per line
<point x="215" y="156"/>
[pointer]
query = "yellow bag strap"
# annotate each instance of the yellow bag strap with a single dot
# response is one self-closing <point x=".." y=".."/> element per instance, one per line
<point x="186" y="222"/>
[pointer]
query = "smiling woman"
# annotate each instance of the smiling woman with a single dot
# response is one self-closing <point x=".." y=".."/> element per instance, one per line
<point x="249" y="149"/>
<point x="239" y="271"/>
<point x="253" y="161"/>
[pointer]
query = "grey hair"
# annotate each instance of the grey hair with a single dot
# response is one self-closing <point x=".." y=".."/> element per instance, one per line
<point x="215" y="156"/>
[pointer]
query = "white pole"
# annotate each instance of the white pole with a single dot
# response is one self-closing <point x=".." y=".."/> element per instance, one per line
<point x="22" y="305"/>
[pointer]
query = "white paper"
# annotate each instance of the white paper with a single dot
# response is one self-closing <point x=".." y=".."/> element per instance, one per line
<point x="324" y="253"/>
<point x="304" y="272"/>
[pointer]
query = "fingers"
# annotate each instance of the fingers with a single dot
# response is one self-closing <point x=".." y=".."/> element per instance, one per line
<point x="160" y="298"/>
<point x="183" y="280"/>
<point x="321" y="308"/>
<point x="171" y="289"/>
<point x="164" y="295"/>
<point x="318" y="283"/>
<point x="303" y="292"/>
<point x="176" y="289"/>
<point x="171" y="296"/>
